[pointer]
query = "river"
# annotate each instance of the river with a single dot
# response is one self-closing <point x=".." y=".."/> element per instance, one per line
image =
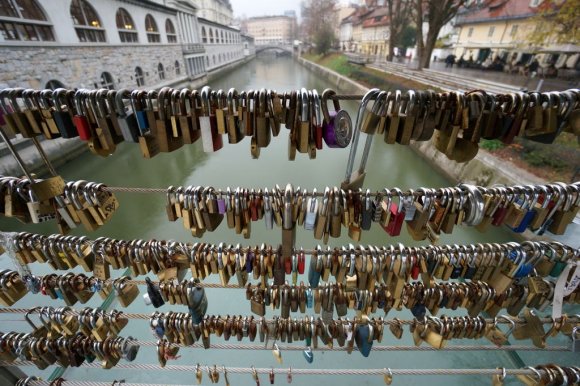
<point x="143" y="216"/>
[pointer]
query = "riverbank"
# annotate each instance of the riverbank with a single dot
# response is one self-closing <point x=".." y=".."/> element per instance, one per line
<point x="484" y="170"/>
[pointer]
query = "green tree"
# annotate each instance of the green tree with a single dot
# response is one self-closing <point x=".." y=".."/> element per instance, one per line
<point x="408" y="36"/>
<point x="324" y="38"/>
<point x="557" y="22"/>
<point x="400" y="15"/>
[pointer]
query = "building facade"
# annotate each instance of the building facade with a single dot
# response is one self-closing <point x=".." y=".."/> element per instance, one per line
<point x="493" y="28"/>
<point x="223" y="44"/>
<point x="375" y="33"/>
<point x="89" y="43"/>
<point x="217" y="11"/>
<point x="188" y="32"/>
<point x="110" y="44"/>
<point x="272" y="29"/>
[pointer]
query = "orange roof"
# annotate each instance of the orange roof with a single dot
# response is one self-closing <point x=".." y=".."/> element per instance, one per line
<point x="379" y="17"/>
<point x="490" y="10"/>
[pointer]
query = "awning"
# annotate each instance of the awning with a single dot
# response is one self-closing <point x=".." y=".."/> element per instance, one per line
<point x="484" y="45"/>
<point x="560" y="48"/>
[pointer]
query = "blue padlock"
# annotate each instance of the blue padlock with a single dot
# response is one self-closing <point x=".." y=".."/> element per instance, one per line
<point x="309" y="298"/>
<point x="528" y="205"/>
<point x="250" y="262"/>
<point x="419" y="311"/>
<point x="138" y="108"/>
<point x="314" y="270"/>
<point x="308" y="355"/>
<point x="363" y="338"/>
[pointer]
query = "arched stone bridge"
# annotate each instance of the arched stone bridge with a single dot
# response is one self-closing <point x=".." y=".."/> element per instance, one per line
<point x="275" y="47"/>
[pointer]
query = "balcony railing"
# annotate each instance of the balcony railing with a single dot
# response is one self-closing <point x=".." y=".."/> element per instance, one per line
<point x="193" y="48"/>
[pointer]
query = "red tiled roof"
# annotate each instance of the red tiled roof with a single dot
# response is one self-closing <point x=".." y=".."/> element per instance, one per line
<point x="494" y="10"/>
<point x="378" y="17"/>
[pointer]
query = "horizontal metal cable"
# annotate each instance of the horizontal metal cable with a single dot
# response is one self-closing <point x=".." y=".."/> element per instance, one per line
<point x="499" y="320"/>
<point x="295" y="371"/>
<point x="230" y="346"/>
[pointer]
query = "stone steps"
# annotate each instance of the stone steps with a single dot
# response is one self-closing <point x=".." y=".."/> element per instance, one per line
<point x="450" y="82"/>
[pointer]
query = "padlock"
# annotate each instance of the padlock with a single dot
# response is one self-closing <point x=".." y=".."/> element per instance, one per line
<point x="153" y="294"/>
<point x="127" y="120"/>
<point x="62" y="115"/>
<point x="354" y="181"/>
<point x="337" y="125"/>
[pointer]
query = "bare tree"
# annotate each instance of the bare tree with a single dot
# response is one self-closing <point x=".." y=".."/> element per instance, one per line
<point x="317" y="17"/>
<point x="436" y="13"/>
<point x="400" y="15"/>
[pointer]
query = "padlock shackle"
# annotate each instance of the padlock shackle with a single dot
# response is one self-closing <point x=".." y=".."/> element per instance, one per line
<point x="353" y="147"/>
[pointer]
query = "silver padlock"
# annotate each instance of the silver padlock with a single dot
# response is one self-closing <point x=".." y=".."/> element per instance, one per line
<point x="311" y="212"/>
<point x="268" y="215"/>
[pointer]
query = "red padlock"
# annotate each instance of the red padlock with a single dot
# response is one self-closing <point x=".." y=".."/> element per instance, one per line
<point x="288" y="265"/>
<point x="80" y="119"/>
<point x="301" y="262"/>
<point x="397" y="218"/>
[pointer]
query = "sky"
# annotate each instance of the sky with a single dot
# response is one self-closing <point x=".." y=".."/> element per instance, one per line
<point x="265" y="7"/>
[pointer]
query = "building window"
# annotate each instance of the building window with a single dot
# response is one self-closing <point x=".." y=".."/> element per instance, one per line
<point x="223" y="40"/>
<point x="214" y="62"/>
<point x="491" y="31"/>
<point x="210" y="35"/>
<point x="87" y="23"/>
<point x="514" y="30"/>
<point x="170" y="31"/>
<point x="203" y="35"/>
<point x="153" y="35"/>
<point x="207" y="61"/>
<point x="127" y="29"/>
<point x="470" y="32"/>
<point x="34" y="27"/>
<point x="160" y="71"/>
<point x="53" y="84"/>
<point x="177" y="68"/>
<point x="139" y="77"/>
<point x="107" y="81"/>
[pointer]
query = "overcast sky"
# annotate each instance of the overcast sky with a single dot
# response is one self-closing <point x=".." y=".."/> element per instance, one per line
<point x="264" y="7"/>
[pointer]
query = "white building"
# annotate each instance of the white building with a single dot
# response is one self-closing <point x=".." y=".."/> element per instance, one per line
<point x="223" y="44"/>
<point x="89" y="43"/>
<point x="218" y="11"/>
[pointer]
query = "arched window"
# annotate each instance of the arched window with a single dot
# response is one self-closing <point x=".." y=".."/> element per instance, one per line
<point x="107" y="81"/>
<point x="127" y="29"/>
<point x="153" y="35"/>
<point x="87" y="23"/>
<point x="170" y="31"/>
<point x="203" y="35"/>
<point x="210" y="35"/>
<point x="207" y="61"/>
<point x="177" y="68"/>
<point x="222" y="37"/>
<point x="160" y="71"/>
<point x="53" y="84"/>
<point x="139" y="77"/>
<point x="214" y="62"/>
<point x="35" y="27"/>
